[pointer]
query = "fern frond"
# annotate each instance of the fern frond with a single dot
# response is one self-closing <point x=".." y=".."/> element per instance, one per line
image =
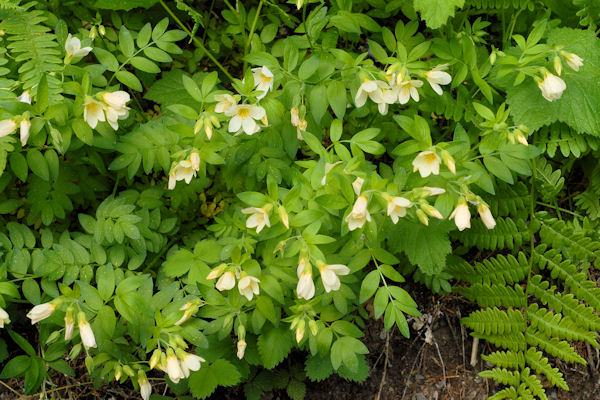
<point x="506" y="234"/>
<point x="495" y="295"/>
<point x="506" y="359"/>
<point x="589" y="201"/>
<point x="499" y="4"/>
<point x="503" y="376"/>
<point x="34" y="47"/>
<point x="532" y="385"/>
<point x="551" y="182"/>
<point x="498" y="270"/>
<point x="540" y="364"/>
<point x="562" y="235"/>
<point x="10" y="4"/>
<point x="560" y="136"/>
<point x="514" y="341"/>
<point x="553" y="324"/>
<point x="554" y="346"/>
<point x="495" y="321"/>
<point x="506" y="393"/>
<point x="509" y="199"/>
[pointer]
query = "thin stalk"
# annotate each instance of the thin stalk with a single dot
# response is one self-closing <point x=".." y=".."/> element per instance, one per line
<point x="252" y="28"/>
<point x="197" y="42"/>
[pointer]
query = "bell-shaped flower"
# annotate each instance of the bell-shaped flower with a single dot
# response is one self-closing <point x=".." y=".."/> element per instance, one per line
<point x="259" y="218"/>
<point x="396" y="208"/>
<point x="306" y="287"/>
<point x="244" y="116"/>
<point x="41" y="311"/>
<point x="407" y="89"/>
<point x="174" y="367"/>
<point x="224" y="102"/>
<point x="437" y="77"/>
<point x="357" y="185"/>
<point x="69" y="323"/>
<point x="552" y="86"/>
<point x="295" y="116"/>
<point x="7" y="126"/>
<point x="24" y="127"/>
<point x="427" y="163"/>
<point x="117" y="100"/>
<point x="226" y="281"/>
<point x="145" y="387"/>
<point x="370" y="89"/>
<point x="85" y="331"/>
<point x="25" y="97"/>
<point x="189" y="362"/>
<point x="486" y="216"/>
<point x="93" y="111"/>
<point x="73" y="48"/>
<point x="462" y="216"/>
<point x="329" y="275"/>
<point x="573" y="60"/>
<point x="263" y="80"/>
<point x="359" y="214"/>
<point x="4" y="318"/>
<point x="241" y="348"/>
<point x="248" y="286"/>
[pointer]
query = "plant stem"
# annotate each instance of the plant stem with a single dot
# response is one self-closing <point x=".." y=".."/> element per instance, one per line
<point x="252" y="28"/>
<point x="196" y="41"/>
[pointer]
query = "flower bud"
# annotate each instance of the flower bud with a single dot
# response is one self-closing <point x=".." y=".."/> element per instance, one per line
<point x="557" y="65"/>
<point x="314" y="328"/>
<point x="155" y="359"/>
<point x="300" y="328"/>
<point x="241" y="348"/>
<point x="422" y="217"/>
<point x="431" y="211"/>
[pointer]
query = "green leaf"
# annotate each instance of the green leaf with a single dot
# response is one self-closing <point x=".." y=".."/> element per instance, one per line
<point x="129" y="79"/>
<point x="18" y="165"/>
<point x="203" y="382"/>
<point x="425" y="246"/>
<point x="318" y="368"/>
<point x="126" y="44"/>
<point x="336" y="95"/>
<point x="318" y="102"/>
<point x="192" y="88"/>
<point x="498" y="168"/>
<point x="124" y="5"/>
<point x="369" y="286"/>
<point x="296" y="389"/>
<point x="15" y="367"/>
<point x="145" y="65"/>
<point x="227" y="374"/>
<point x="38" y="164"/>
<point x="274" y="345"/>
<point x="143" y="37"/>
<point x="106" y="58"/>
<point x="22" y="342"/>
<point x="436" y="12"/>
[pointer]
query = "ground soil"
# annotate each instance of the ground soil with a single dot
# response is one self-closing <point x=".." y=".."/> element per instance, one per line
<point x="434" y="364"/>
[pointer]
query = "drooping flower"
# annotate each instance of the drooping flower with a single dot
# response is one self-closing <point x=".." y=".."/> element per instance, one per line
<point x="552" y="86"/>
<point x="7" y="126"/>
<point x="306" y="287"/>
<point x="226" y="281"/>
<point x="300" y="330"/>
<point x="85" y="331"/>
<point x="437" y="77"/>
<point x="283" y="215"/>
<point x="357" y="185"/>
<point x="573" y="60"/>
<point x="427" y="163"/>
<point x="115" y="107"/>
<point x="93" y="112"/>
<point x="248" y="286"/>
<point x="69" y="323"/>
<point x="329" y="275"/>
<point x="173" y="367"/>
<point x="241" y="348"/>
<point x="216" y="272"/>
<point x="359" y="214"/>
<point x="145" y="387"/>
<point x="188" y="309"/>
<point x="224" y="102"/>
<point x="73" y="48"/>
<point x="434" y="191"/>
<point x="370" y="89"/>
<point x="397" y="208"/>
<point x="295" y="116"/>
<point x="263" y="80"/>
<point x="244" y="116"/>
<point x="41" y="311"/>
<point x="184" y="170"/>
<point x="4" y="318"/>
<point x="24" y="131"/>
<point x="328" y="168"/>
<point x="407" y="89"/>
<point x="25" y="97"/>
<point x="486" y="215"/>
<point x="189" y="362"/>
<point x="462" y="216"/>
<point x="259" y="218"/>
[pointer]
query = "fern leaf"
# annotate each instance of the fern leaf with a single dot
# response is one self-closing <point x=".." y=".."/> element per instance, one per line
<point x="509" y="199"/>
<point x="558" y="348"/>
<point x="553" y="324"/>
<point x="506" y="359"/>
<point x="495" y="321"/>
<point x="550" y="181"/>
<point x="562" y="235"/>
<point x="540" y="364"/>
<point x="514" y="341"/>
<point x="506" y="234"/>
<point x="560" y="136"/>
<point x="499" y="4"/>
<point x="506" y="393"/>
<point x="503" y="376"/>
<point x="533" y="385"/>
<point x="495" y="295"/>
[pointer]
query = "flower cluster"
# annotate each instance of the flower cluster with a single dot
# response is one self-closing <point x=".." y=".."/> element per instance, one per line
<point x="247" y="284"/>
<point x="184" y="170"/>
<point x="107" y="106"/>
<point x="399" y="87"/>
<point x="176" y="363"/>
<point x="552" y="86"/>
<point x="8" y="126"/>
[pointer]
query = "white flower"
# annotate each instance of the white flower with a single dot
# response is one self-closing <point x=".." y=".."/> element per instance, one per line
<point x="372" y="90"/>
<point x="117" y="100"/>
<point x="74" y="49"/>
<point x="486" y="216"/>
<point x="86" y="333"/>
<point x="328" y="167"/>
<point x="4" y="318"/>
<point x="306" y="286"/>
<point x="113" y="115"/>
<point x="173" y="367"/>
<point x="190" y="362"/>
<point x="573" y="61"/>
<point x="258" y="219"/>
<point x="93" y="112"/>
<point x="248" y="286"/>
<point x="552" y="86"/>
<point x="300" y="329"/>
<point x="427" y="163"/>
<point x="357" y="185"/>
<point x="397" y="208"/>
<point x="408" y="89"/>
<point x="25" y="97"/>
<point x="7" y="126"/>
<point x="263" y="80"/>
<point x="224" y="101"/>
<point x="188" y="309"/>
<point x="41" y="311"/>
<point x="329" y="275"/>
<point x="295" y="116"/>
<point x="359" y="214"/>
<point x="184" y="170"/>
<point x="69" y="324"/>
<point x="434" y="191"/>
<point x="24" y="131"/>
<point x="244" y="116"/>
<point x="462" y="216"/>
<point x="226" y="281"/>
<point x="145" y="388"/>
<point x="241" y="348"/>
<point x="437" y="77"/>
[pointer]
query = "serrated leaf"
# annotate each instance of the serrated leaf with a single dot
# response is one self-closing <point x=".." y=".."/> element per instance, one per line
<point x="436" y="12"/>
<point x="274" y="345"/>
